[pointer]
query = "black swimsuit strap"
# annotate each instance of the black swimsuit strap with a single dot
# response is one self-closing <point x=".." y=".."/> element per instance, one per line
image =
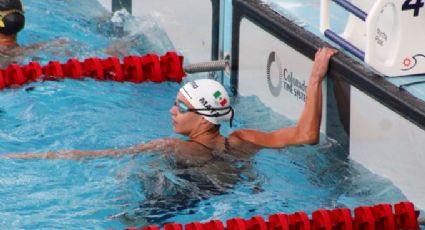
<point x="226" y="145"/>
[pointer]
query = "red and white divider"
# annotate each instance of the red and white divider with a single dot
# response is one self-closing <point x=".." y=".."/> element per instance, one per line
<point x="379" y="217"/>
<point x="136" y="69"/>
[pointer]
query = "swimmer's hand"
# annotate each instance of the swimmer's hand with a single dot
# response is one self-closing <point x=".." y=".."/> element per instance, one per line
<point x="321" y="63"/>
<point x="46" y="155"/>
<point x="71" y="154"/>
<point x="23" y="155"/>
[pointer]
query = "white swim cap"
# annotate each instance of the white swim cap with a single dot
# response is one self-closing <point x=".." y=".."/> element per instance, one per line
<point x="209" y="99"/>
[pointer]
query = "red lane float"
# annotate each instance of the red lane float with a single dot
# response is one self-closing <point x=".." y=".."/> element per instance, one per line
<point x="406" y="217"/>
<point x="364" y="218"/>
<point x="53" y="69"/>
<point x="384" y="217"/>
<point x="14" y="75"/>
<point x="378" y="217"/>
<point x="299" y="220"/>
<point x="214" y="225"/>
<point x="236" y="224"/>
<point x="341" y="219"/>
<point x="152" y="67"/>
<point x="112" y="69"/>
<point x="32" y="71"/>
<point x="171" y="66"/>
<point x="136" y="69"/>
<point x="322" y="220"/>
<point x="151" y="227"/>
<point x="133" y="70"/>
<point x="279" y="221"/>
<point x="92" y="67"/>
<point x="173" y="226"/>
<point x="2" y="80"/>
<point x="194" y="226"/>
<point x="256" y="223"/>
<point x="73" y="68"/>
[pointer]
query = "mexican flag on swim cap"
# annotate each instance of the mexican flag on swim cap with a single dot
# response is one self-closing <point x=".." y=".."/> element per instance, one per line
<point x="210" y="98"/>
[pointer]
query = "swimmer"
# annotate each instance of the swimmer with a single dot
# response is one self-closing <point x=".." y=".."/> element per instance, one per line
<point x="12" y="20"/>
<point x="201" y="106"/>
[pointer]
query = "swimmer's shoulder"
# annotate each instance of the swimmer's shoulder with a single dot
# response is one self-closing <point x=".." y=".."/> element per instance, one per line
<point x="239" y="144"/>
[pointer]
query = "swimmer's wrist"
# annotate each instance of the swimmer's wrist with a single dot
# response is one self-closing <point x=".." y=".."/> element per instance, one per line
<point x="48" y="155"/>
<point x="315" y="79"/>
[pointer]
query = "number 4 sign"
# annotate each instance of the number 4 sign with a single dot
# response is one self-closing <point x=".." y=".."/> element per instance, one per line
<point x="408" y="5"/>
<point x="389" y="40"/>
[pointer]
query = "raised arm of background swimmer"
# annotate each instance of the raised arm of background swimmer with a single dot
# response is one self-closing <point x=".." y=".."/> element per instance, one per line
<point x="307" y="129"/>
<point x="163" y="145"/>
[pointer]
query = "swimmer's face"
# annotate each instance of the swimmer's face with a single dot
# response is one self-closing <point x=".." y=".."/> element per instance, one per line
<point x="184" y="122"/>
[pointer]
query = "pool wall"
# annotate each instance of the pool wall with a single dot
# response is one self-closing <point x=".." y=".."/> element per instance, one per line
<point x="384" y="124"/>
<point x="381" y="125"/>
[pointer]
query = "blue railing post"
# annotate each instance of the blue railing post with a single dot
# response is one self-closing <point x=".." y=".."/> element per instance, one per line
<point x="352" y="9"/>
<point x="344" y="43"/>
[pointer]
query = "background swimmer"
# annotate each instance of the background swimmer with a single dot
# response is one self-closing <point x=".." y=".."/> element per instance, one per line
<point x="37" y="33"/>
<point x="12" y="20"/>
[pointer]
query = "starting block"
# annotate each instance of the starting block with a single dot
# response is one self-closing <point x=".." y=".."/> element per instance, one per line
<point x="386" y="34"/>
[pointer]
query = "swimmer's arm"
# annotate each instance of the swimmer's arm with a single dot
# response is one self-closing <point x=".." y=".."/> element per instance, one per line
<point x="157" y="145"/>
<point x="120" y="47"/>
<point x="307" y="130"/>
<point x="58" y="42"/>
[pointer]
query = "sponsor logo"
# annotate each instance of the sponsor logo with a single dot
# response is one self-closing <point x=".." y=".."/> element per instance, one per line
<point x="410" y="63"/>
<point x="274" y="89"/>
<point x="286" y="80"/>
<point x="381" y="37"/>
<point x="294" y="86"/>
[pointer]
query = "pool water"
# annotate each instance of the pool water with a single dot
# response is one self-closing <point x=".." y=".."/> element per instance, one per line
<point x="113" y="192"/>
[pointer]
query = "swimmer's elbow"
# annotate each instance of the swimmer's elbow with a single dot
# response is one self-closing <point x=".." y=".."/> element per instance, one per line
<point x="307" y="133"/>
<point x="313" y="140"/>
<point x="309" y="138"/>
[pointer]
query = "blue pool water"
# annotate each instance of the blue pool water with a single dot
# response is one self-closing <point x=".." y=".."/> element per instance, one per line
<point x="111" y="192"/>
